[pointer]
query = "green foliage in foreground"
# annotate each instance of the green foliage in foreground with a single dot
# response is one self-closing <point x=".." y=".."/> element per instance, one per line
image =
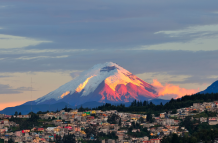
<point x="175" y="139"/>
<point x="203" y="135"/>
<point x="197" y="132"/>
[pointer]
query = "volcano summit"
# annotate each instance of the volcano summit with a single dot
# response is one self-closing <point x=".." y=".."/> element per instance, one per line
<point x="106" y="83"/>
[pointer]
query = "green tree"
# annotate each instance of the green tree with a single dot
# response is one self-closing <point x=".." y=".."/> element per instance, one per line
<point x="130" y="129"/>
<point x="58" y="139"/>
<point x="149" y="117"/>
<point x="120" y="122"/>
<point x="174" y="111"/>
<point x="161" y="104"/>
<point x="113" y="119"/>
<point x="10" y="140"/>
<point x="16" y="113"/>
<point x="175" y="138"/>
<point x="194" y="140"/>
<point x="69" y="138"/>
<point x="144" y="103"/>
<point x="141" y="120"/>
<point x="91" y="131"/>
<point x="81" y="109"/>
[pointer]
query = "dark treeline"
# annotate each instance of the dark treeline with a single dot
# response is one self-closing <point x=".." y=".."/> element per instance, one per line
<point x="147" y="106"/>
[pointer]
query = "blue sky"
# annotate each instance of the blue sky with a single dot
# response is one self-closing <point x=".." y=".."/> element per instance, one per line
<point x="173" y="41"/>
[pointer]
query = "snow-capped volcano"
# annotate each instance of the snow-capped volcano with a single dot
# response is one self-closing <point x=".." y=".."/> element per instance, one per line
<point x="106" y="82"/>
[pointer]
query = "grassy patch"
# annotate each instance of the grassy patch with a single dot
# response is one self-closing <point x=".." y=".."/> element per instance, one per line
<point x="13" y="129"/>
<point x="205" y="114"/>
<point x="175" y="118"/>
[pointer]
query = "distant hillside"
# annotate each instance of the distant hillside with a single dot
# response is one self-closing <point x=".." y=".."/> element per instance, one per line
<point x="26" y="107"/>
<point x="213" y="88"/>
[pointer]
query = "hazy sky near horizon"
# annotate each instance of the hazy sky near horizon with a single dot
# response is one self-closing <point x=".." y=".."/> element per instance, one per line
<point x="52" y="41"/>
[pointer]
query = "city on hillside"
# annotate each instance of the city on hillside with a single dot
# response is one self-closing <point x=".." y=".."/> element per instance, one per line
<point x="68" y="126"/>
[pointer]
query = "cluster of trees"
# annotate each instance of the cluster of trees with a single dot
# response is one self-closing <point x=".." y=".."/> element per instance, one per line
<point x="179" y="139"/>
<point x="198" y="132"/>
<point x="91" y="131"/>
<point x="81" y="109"/>
<point x="205" y="114"/>
<point x="27" y="123"/>
<point x="67" y="109"/>
<point x="202" y="135"/>
<point x="70" y="138"/>
<point x="149" y="117"/>
<point x="41" y="112"/>
<point x="16" y="113"/>
<point x="110" y="135"/>
<point x="113" y="119"/>
<point x="193" y="125"/>
<point x="144" y="103"/>
<point x="143" y="131"/>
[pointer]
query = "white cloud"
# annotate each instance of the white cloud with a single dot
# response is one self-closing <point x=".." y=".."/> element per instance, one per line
<point x="5" y="6"/>
<point x="161" y="76"/>
<point x="63" y="56"/>
<point x="2" y="6"/>
<point x="204" y="38"/>
<point x="38" y="51"/>
<point x="213" y="76"/>
<point x="197" y="30"/>
<point x="200" y="44"/>
<point x="41" y="57"/>
<point x="10" y="41"/>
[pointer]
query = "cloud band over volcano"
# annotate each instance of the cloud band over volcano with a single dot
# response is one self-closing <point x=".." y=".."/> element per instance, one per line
<point x="169" y="91"/>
